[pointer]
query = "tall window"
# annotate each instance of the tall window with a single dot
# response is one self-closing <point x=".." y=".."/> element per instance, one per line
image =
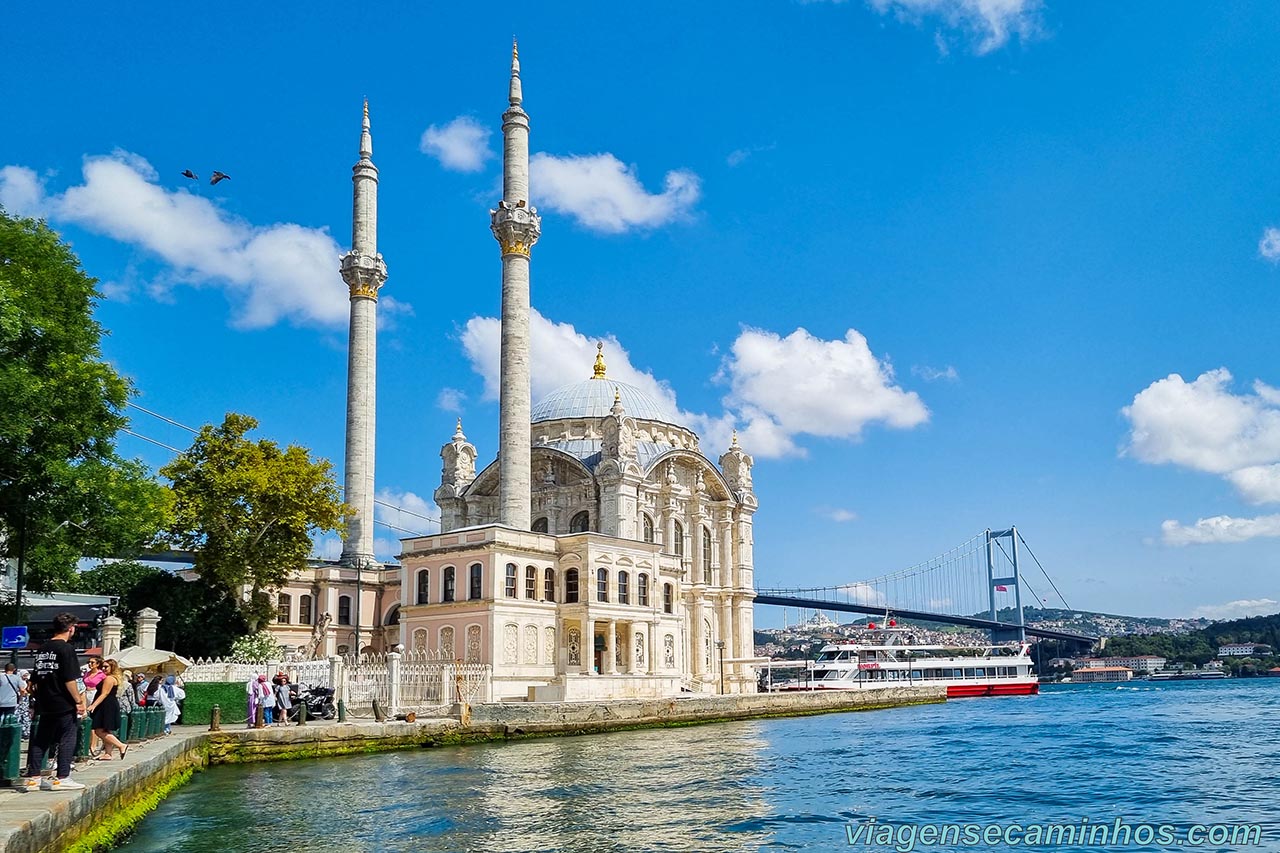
<point x="510" y="586"/>
<point x="580" y="523"/>
<point x="571" y="586"/>
<point x="602" y="584"/>
<point x="531" y="582"/>
<point x="540" y="525"/>
<point x="284" y="607"/>
<point x="624" y="588"/>
<point x="549" y="584"/>
<point x="642" y="590"/>
<point x="668" y="605"/>
<point x="344" y="610"/>
<point x="304" y="609"/>
<point x="477" y="582"/>
<point x="677" y="547"/>
<point x="706" y="555"/>
<point x="424" y="586"/>
<point x="450" y="584"/>
<point x="646" y="526"/>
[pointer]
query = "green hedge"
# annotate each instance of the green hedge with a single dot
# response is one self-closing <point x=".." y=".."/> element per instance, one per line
<point x="201" y="697"/>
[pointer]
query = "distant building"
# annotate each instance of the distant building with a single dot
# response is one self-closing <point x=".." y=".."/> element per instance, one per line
<point x="1274" y="672"/>
<point x="1139" y="663"/>
<point x="1213" y="665"/>
<point x="1243" y="650"/>
<point x="1101" y="674"/>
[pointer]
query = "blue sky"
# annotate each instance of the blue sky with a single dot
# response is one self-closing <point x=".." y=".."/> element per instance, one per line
<point x="1027" y="243"/>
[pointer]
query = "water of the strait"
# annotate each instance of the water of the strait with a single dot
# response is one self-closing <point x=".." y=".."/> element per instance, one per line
<point x="1181" y="753"/>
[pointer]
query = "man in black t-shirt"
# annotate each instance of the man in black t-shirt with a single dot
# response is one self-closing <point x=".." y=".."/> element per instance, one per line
<point x="59" y="704"/>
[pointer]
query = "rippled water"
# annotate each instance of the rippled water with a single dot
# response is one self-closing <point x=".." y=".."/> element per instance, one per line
<point x="1179" y="753"/>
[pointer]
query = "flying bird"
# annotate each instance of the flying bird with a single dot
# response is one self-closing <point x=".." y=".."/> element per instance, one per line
<point x="219" y="176"/>
<point x="187" y="173"/>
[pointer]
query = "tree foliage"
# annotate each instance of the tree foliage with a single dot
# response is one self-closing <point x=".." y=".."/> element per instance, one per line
<point x="197" y="619"/>
<point x="248" y="509"/>
<point x="62" y="483"/>
<point x="256" y="648"/>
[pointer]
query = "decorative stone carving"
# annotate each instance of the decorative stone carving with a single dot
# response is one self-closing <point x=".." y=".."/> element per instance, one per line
<point x="669" y="651"/>
<point x="530" y="643"/>
<point x="549" y="645"/>
<point x="420" y="639"/>
<point x="363" y="274"/>
<point x="516" y="227"/>
<point x="510" y="643"/>
<point x="473" y="644"/>
<point x="639" y="648"/>
<point x="574" y="647"/>
<point x="736" y="466"/>
<point x="446" y="642"/>
<point x="459" y="458"/>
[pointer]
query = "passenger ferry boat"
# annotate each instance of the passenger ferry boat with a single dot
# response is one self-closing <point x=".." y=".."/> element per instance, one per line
<point x="890" y="657"/>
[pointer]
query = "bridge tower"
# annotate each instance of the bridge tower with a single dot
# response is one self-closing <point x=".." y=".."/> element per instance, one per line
<point x="1002" y="584"/>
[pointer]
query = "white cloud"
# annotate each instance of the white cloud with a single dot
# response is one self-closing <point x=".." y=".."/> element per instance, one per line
<point x="1269" y="245"/>
<point x="933" y="374"/>
<point x="780" y="388"/>
<point x="861" y="593"/>
<point x="991" y="22"/>
<point x="462" y="145"/>
<point x="604" y="194"/>
<point x="740" y="155"/>
<point x="1220" y="529"/>
<point x="272" y="272"/>
<point x="408" y="511"/>
<point x="1237" y="609"/>
<point x="803" y="384"/>
<point x="450" y="400"/>
<point x="1202" y="425"/>
<point x="837" y="514"/>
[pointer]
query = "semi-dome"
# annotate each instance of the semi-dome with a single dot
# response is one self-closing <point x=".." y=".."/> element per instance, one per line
<point x="593" y="398"/>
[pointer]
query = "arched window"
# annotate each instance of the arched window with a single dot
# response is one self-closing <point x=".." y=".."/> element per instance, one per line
<point x="531" y="582"/>
<point x="706" y="555"/>
<point x="344" y="610"/>
<point x="424" y="586"/>
<point x="602" y="584"/>
<point x="646" y="527"/>
<point x="393" y="615"/>
<point x="477" y="582"/>
<point x="571" y="586"/>
<point x="450" y="584"/>
<point x="677" y="547"/>
<point x="580" y="523"/>
<point x="624" y="588"/>
<point x="540" y="525"/>
<point x="304" y="609"/>
<point x="642" y="590"/>
<point x="509" y="588"/>
<point x="284" y="607"/>
<point x="549" y="585"/>
<point x="668" y="596"/>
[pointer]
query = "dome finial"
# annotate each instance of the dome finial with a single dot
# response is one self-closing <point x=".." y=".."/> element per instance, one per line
<point x="734" y="443"/>
<point x="457" y="434"/>
<point x="598" y="372"/>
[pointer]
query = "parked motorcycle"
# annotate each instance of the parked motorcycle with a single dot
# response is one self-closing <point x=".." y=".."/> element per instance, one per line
<point x="319" y="702"/>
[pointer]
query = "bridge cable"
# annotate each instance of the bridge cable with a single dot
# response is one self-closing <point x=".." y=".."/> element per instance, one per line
<point x="1042" y="571"/>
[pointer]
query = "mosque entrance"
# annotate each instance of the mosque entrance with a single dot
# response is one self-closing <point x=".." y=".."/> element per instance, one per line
<point x="597" y="661"/>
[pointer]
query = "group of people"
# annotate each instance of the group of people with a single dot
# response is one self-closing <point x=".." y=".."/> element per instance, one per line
<point x="62" y="694"/>
<point x="275" y="699"/>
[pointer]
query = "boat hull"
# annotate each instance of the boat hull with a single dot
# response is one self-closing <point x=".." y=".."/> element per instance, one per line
<point x="964" y="691"/>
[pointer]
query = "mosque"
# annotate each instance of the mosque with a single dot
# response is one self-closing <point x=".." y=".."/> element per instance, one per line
<point x="601" y="555"/>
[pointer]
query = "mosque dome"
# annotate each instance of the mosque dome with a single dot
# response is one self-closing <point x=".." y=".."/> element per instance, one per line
<point x="593" y="398"/>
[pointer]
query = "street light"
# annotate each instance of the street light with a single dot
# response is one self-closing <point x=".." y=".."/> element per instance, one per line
<point x="720" y="649"/>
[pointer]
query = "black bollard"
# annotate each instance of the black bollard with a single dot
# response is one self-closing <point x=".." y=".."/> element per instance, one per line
<point x="260" y="718"/>
<point x="302" y="713"/>
<point x="215" y="719"/>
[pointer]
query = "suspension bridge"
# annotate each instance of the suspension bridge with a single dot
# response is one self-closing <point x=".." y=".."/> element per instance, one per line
<point x="971" y="585"/>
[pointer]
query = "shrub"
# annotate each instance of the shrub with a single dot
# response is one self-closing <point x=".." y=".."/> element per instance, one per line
<point x="197" y="710"/>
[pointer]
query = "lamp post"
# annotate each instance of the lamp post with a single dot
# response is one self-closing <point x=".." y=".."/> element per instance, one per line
<point x="720" y="649"/>
<point x="359" y="577"/>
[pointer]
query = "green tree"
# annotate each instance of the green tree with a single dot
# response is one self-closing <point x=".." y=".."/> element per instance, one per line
<point x="248" y="510"/>
<point x="197" y="619"/>
<point x="64" y="490"/>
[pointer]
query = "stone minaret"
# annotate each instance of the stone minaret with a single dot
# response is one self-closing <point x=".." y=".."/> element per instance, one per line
<point x="516" y="227"/>
<point x="364" y="272"/>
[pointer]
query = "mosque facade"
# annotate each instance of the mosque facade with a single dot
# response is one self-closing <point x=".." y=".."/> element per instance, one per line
<point x="602" y="554"/>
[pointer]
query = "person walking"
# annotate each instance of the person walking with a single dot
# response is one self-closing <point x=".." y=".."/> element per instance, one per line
<point x="253" y="692"/>
<point x="283" y="703"/>
<point x="268" y="699"/>
<point x="93" y="675"/>
<point x="105" y="710"/>
<point x="59" y="704"/>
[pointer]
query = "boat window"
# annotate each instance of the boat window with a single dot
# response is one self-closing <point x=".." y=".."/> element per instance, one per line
<point x="915" y="673"/>
<point x="980" y="672"/>
<point x="968" y="673"/>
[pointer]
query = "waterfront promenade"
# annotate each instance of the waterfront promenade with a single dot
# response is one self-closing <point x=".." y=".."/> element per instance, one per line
<point x="119" y="793"/>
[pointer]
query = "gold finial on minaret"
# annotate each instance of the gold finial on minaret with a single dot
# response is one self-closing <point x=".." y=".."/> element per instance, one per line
<point x="598" y="372"/>
<point x="617" y="394"/>
<point x="734" y="443"/>
<point x="366" y="109"/>
<point x="515" y="51"/>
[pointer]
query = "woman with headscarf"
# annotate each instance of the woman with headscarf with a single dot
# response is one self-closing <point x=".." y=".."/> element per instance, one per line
<point x="255" y="689"/>
<point x="171" y="693"/>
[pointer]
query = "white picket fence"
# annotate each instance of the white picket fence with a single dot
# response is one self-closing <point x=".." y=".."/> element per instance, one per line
<point x="419" y="681"/>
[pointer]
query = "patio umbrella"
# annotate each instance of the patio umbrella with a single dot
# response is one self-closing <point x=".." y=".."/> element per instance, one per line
<point x="158" y="660"/>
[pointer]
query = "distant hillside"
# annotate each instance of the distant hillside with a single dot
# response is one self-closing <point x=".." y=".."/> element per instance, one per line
<point x="1201" y="646"/>
<point x="1103" y="624"/>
